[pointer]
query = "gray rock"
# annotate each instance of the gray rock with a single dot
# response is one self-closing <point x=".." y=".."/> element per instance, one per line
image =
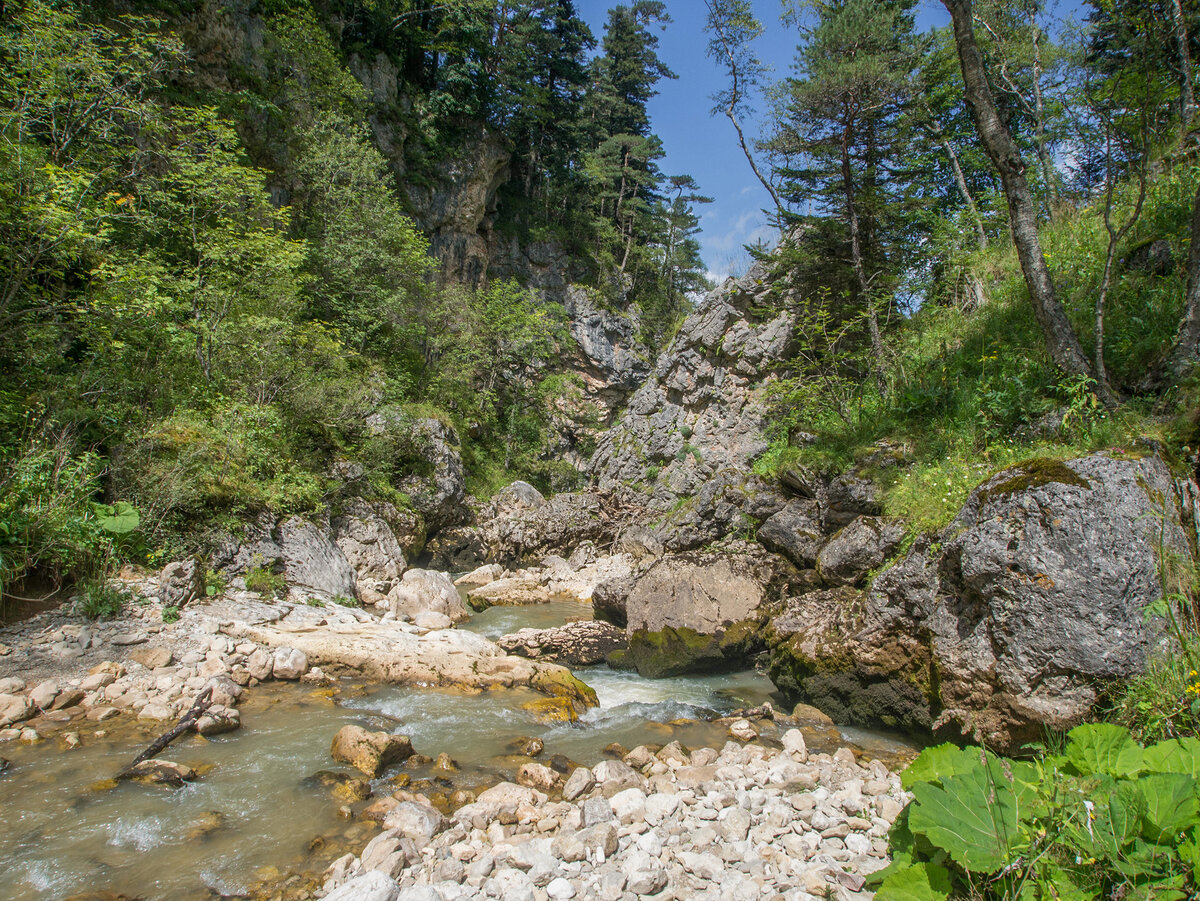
<point x="417" y="822"/>
<point x="857" y="549"/>
<point x="181" y="582"/>
<point x="427" y="590"/>
<point x="614" y="776"/>
<point x="1034" y="599"/>
<point x="300" y="550"/>
<point x="580" y="782"/>
<point x="367" y="540"/>
<point x="795" y="532"/>
<point x="439" y="497"/>
<point x="704" y="591"/>
<point x="644" y="874"/>
<point x="428" y="619"/>
<point x="373" y="886"/>
<point x="518" y="496"/>
<point x="595" y="810"/>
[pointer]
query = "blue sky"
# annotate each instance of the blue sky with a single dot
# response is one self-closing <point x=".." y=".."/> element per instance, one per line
<point x="705" y="146"/>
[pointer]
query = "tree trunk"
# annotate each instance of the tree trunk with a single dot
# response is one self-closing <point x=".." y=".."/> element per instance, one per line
<point x="961" y="180"/>
<point x="1061" y="340"/>
<point x="1187" y="97"/>
<point x="860" y="271"/>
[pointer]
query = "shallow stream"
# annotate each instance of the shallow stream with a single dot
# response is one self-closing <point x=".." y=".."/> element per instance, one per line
<point x="254" y="816"/>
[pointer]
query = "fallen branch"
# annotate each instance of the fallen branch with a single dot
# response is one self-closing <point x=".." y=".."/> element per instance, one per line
<point x="185" y="724"/>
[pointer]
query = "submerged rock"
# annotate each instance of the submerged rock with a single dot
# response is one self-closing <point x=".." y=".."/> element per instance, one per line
<point x="159" y="772"/>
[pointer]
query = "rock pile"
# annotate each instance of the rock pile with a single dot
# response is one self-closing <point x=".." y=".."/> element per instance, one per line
<point x="745" y="822"/>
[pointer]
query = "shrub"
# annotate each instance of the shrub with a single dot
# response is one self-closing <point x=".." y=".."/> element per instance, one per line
<point x="347" y="601"/>
<point x="1106" y="818"/>
<point x="101" y="599"/>
<point x="170" y="614"/>
<point x="263" y="581"/>
<point x="48" y="521"/>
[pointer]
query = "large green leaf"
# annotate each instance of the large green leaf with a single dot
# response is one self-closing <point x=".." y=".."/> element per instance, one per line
<point x="1103" y="748"/>
<point x="120" y="518"/>
<point x="918" y="882"/>
<point x="936" y="763"/>
<point x="1171" y="806"/>
<point x="972" y="815"/>
<point x="1178" y="755"/>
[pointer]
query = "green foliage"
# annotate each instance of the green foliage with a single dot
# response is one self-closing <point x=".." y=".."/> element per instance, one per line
<point x="263" y="581"/>
<point x="1105" y="818"/>
<point x="48" y="521"/>
<point x="101" y="599"/>
<point x="215" y="583"/>
<point x="170" y="615"/>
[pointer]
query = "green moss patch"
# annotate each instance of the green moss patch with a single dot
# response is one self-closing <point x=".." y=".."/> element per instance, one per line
<point x="1033" y="474"/>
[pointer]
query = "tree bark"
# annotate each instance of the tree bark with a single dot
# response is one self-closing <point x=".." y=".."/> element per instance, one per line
<point x="1061" y="341"/>
<point x="860" y="271"/>
<point x="1187" y="97"/>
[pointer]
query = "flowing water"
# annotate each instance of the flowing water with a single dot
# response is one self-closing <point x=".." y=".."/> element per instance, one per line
<point x="254" y="814"/>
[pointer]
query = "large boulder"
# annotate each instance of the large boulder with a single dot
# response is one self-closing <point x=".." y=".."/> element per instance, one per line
<point x="427" y="591"/>
<point x="557" y="526"/>
<point x="369" y="752"/>
<point x="364" y="534"/>
<point x="706" y="591"/>
<point x="181" y="582"/>
<point x="864" y="545"/>
<point x="1033" y="600"/>
<point x="795" y="532"/>
<point x="428" y="450"/>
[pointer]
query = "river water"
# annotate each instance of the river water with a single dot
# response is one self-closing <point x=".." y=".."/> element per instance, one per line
<point x="255" y="816"/>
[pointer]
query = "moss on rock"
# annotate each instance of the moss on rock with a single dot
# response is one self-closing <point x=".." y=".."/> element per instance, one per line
<point x="1033" y="474"/>
<point x="674" y="652"/>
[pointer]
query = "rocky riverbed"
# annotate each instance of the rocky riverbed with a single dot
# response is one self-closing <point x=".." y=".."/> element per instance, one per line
<point x="745" y="822"/>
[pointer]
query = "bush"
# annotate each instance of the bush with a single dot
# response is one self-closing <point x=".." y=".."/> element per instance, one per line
<point x="101" y="599"/>
<point x="48" y="522"/>
<point x="263" y="581"/>
<point x="170" y="615"/>
<point x="1106" y="818"/>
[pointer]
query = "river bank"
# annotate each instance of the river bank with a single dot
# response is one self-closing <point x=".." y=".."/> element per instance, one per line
<point x="84" y="726"/>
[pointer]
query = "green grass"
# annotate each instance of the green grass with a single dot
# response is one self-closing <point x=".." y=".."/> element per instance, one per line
<point x="101" y="599"/>
<point x="263" y="581"/>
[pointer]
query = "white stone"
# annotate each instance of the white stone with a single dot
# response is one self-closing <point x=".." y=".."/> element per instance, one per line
<point x="373" y="886"/>
<point x="289" y="663"/>
<point x="560" y="889"/>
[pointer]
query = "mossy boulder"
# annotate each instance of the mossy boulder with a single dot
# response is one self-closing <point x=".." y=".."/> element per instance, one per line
<point x="1010" y="622"/>
<point x="674" y="652"/>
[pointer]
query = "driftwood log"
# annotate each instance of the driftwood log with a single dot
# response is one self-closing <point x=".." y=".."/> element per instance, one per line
<point x="186" y="723"/>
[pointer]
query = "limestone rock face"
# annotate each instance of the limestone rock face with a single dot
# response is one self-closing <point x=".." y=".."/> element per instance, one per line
<point x="701" y="412"/>
<point x="365" y="537"/>
<point x="456" y="210"/>
<point x="584" y="643"/>
<point x="369" y="752"/>
<point x="297" y="548"/>
<point x="180" y="583"/>
<point x="438" y="497"/>
<point x="427" y="591"/>
<point x="611" y="360"/>
<point x="795" y="532"/>
<point x="1034" y="599"/>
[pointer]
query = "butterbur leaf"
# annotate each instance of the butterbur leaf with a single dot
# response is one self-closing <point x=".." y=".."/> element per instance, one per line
<point x="1104" y="749"/>
<point x="936" y="763"/>
<point x="1171" y="806"/>
<point x="973" y="816"/>
<point x="120" y="518"/>
<point x="1178" y="755"/>
<point x="918" y="882"/>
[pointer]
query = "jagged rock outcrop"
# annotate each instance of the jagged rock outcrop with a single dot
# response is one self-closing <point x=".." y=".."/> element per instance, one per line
<point x="438" y="489"/>
<point x="456" y="211"/>
<point x="610" y="360"/>
<point x="702" y="411"/>
<point x="522" y="533"/>
<point x="1032" y="598"/>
